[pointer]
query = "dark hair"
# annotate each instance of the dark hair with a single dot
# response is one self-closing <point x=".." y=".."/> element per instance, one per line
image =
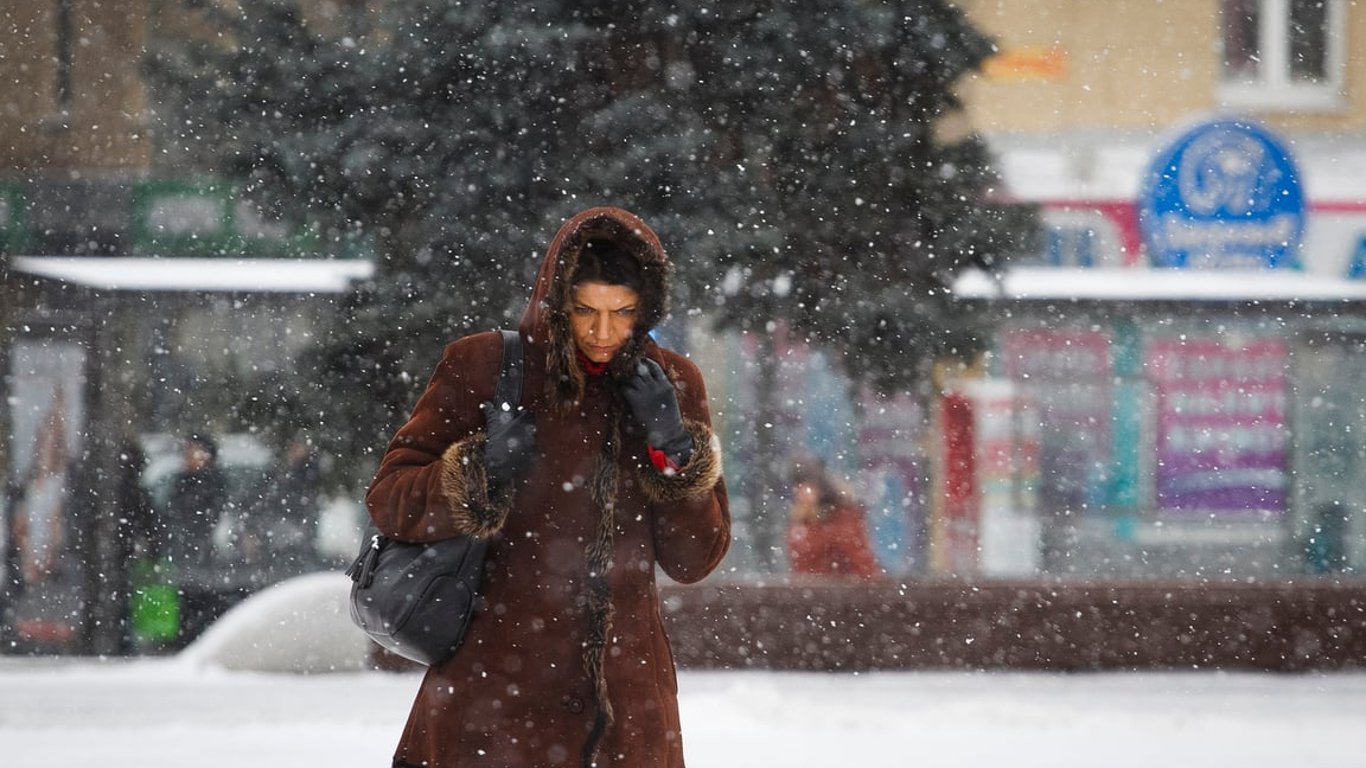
<point x="607" y="261"/>
<point x="206" y="443"/>
<point x="830" y="491"/>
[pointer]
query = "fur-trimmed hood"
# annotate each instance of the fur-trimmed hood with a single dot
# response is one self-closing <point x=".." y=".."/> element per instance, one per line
<point x="546" y="321"/>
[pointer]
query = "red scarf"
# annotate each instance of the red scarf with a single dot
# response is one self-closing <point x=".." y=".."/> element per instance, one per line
<point x="589" y="367"/>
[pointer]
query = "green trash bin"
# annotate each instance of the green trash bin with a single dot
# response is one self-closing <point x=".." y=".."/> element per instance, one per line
<point x="154" y="603"/>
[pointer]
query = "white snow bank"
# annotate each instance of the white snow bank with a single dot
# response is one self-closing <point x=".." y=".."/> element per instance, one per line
<point x="300" y="625"/>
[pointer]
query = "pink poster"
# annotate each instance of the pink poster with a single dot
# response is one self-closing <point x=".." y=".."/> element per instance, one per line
<point x="44" y="585"/>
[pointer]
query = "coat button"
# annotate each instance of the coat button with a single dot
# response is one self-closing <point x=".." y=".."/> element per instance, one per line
<point x="572" y="703"/>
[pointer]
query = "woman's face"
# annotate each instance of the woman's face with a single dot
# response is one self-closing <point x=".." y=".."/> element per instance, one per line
<point x="602" y="317"/>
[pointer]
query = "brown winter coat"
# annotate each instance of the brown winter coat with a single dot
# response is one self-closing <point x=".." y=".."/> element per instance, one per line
<point x="566" y="661"/>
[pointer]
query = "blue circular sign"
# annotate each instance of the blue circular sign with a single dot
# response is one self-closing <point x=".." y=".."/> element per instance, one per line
<point x="1224" y="195"/>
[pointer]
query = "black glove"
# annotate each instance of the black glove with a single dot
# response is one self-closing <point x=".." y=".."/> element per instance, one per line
<point x="653" y="402"/>
<point x="509" y="448"/>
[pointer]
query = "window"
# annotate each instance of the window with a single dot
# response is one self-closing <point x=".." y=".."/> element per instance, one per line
<point x="1080" y="238"/>
<point x="61" y="86"/>
<point x="1282" y="54"/>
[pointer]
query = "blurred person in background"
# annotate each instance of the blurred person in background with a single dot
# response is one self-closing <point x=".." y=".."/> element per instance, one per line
<point x="276" y="538"/>
<point x="193" y="511"/>
<point x="827" y="533"/>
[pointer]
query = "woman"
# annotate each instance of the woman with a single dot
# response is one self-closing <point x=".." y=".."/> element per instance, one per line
<point x="610" y="469"/>
<point x="827" y="535"/>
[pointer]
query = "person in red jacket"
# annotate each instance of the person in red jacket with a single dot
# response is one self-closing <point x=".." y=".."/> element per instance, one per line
<point x="827" y="535"/>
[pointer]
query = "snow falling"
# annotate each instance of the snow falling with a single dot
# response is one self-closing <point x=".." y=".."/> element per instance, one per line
<point x="1032" y="337"/>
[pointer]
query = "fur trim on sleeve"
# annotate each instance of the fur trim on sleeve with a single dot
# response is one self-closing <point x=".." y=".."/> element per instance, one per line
<point x="696" y="478"/>
<point x="465" y="487"/>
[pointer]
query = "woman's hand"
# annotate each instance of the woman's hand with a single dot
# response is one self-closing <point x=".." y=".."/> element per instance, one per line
<point x="654" y="403"/>
<point x="509" y="448"/>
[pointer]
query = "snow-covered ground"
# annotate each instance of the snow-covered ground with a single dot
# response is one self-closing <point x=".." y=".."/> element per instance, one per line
<point x="150" y="713"/>
<point x="225" y="702"/>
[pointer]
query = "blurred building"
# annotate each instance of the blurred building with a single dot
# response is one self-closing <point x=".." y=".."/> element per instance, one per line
<point x="1168" y="398"/>
<point x="139" y="294"/>
<point x="98" y="202"/>
<point x="1174" y="386"/>
<point x="1145" y="413"/>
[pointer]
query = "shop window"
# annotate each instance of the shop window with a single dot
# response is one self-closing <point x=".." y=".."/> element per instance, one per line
<point x="1076" y="238"/>
<point x="1283" y="54"/>
<point x="61" y="86"/>
<point x="1067" y="375"/>
<point x="1356" y="267"/>
<point x="1071" y="247"/>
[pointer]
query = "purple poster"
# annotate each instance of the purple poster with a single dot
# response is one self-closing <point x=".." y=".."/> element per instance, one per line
<point x="1222" y="440"/>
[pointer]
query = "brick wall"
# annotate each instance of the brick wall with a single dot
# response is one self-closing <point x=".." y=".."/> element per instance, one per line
<point x="1018" y="626"/>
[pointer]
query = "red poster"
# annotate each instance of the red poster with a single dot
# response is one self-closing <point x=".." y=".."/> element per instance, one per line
<point x="956" y="537"/>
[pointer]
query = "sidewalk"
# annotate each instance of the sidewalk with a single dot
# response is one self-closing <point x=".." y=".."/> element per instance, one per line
<point x="165" y="712"/>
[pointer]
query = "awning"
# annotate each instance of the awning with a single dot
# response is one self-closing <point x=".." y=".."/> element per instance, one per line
<point x="1135" y="284"/>
<point x="189" y="274"/>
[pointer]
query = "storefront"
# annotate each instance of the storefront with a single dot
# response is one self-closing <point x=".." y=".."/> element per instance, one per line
<point x="101" y="353"/>
<point x="1191" y="364"/>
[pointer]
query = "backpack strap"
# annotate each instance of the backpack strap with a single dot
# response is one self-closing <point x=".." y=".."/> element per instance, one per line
<point x="507" y="397"/>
